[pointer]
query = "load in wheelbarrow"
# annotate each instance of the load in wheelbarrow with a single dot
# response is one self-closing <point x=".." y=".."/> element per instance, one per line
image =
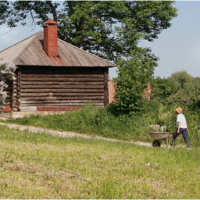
<point x="160" y="137"/>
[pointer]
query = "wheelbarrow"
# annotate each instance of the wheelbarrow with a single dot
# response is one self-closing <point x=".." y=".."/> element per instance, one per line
<point x="160" y="137"/>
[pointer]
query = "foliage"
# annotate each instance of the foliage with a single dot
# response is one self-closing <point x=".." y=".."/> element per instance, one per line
<point x="183" y="86"/>
<point x="133" y="77"/>
<point x="196" y="88"/>
<point x="7" y="70"/>
<point x="180" y="87"/>
<point x="101" y="122"/>
<point x="161" y="89"/>
<point x="93" y="121"/>
<point x="135" y="127"/>
<point x="105" y="28"/>
<point x="164" y="114"/>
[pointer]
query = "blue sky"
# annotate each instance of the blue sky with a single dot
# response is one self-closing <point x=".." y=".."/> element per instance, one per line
<point x="177" y="47"/>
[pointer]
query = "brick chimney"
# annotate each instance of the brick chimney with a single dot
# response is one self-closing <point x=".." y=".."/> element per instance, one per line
<point x="51" y="38"/>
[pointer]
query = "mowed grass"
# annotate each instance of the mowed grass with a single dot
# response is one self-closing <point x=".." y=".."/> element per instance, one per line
<point x="43" y="166"/>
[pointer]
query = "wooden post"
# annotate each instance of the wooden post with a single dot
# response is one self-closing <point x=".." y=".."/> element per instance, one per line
<point x="106" y="86"/>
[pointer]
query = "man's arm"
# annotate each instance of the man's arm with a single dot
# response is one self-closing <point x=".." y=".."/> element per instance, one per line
<point x="179" y="125"/>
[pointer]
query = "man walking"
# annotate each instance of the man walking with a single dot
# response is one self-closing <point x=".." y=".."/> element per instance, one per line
<point x="181" y="127"/>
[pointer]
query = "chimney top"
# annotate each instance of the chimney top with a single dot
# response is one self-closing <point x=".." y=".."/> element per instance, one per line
<point x="50" y="21"/>
<point x="51" y="38"/>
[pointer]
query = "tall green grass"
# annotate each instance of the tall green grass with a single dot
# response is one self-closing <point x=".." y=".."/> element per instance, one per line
<point x="164" y="114"/>
<point x="102" y="122"/>
<point x="38" y="165"/>
<point x="93" y="121"/>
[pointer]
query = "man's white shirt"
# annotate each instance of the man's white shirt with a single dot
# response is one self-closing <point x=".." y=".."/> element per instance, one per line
<point x="181" y="118"/>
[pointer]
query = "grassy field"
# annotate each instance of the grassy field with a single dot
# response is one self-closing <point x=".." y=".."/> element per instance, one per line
<point x="93" y="121"/>
<point x="101" y="122"/>
<point x="43" y="166"/>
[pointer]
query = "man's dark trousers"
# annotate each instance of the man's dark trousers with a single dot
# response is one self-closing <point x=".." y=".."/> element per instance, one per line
<point x="184" y="134"/>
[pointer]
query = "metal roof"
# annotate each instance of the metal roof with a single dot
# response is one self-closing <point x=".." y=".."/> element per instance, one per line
<point x="30" y="52"/>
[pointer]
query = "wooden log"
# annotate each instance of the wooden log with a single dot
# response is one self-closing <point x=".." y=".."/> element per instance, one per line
<point x="66" y="94"/>
<point x="9" y="93"/>
<point x="8" y="104"/>
<point x="60" y="86"/>
<point x="61" y="83"/>
<point x="59" y="101"/>
<point x="15" y="104"/>
<point x="62" y="90"/>
<point x="8" y="99"/>
<point x="62" y="75"/>
<point x="59" y="104"/>
<point x="63" y="98"/>
<point x="63" y="79"/>
<point x="61" y="70"/>
<point x="9" y="96"/>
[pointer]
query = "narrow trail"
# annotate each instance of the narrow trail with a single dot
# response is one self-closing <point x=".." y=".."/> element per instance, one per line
<point x="65" y="134"/>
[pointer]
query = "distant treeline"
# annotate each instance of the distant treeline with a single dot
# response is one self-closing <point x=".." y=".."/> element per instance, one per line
<point x="180" y="87"/>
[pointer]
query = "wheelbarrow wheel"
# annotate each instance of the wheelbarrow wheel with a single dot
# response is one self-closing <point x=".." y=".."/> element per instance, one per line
<point x="156" y="143"/>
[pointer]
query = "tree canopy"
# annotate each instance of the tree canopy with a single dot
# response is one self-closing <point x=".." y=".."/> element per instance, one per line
<point x="133" y="76"/>
<point x="105" y="28"/>
<point x="161" y="89"/>
<point x="179" y="87"/>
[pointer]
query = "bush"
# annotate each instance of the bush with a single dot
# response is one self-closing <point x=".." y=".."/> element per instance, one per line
<point x="94" y="121"/>
<point x="102" y="122"/>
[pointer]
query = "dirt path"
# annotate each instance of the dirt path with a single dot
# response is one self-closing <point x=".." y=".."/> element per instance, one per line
<point x="68" y="134"/>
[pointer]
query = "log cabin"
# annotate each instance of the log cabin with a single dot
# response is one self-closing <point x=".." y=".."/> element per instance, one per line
<point x="53" y="75"/>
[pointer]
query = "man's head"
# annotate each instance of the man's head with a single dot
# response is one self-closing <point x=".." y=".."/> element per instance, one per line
<point x="178" y="111"/>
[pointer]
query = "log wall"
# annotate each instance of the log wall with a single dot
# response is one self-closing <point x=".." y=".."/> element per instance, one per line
<point x="53" y="88"/>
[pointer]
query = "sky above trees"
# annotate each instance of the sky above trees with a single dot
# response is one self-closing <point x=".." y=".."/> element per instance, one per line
<point x="177" y="47"/>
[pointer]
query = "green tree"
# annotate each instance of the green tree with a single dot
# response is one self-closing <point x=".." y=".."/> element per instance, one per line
<point x="133" y="76"/>
<point x="183" y="86"/>
<point x="106" y="28"/>
<point x="196" y="82"/>
<point x="161" y="89"/>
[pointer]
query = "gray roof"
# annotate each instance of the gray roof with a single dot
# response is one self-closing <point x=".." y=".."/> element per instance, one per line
<point x="30" y="52"/>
